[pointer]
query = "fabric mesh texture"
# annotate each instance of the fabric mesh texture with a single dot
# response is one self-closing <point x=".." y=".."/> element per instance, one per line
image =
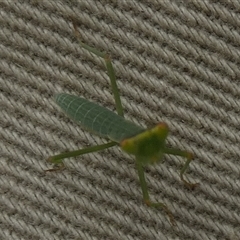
<point x="176" y="62"/>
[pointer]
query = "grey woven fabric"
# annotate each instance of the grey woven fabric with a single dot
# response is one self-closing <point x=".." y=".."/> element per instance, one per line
<point x="175" y="61"/>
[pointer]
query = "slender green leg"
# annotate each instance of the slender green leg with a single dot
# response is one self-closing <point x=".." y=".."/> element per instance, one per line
<point x="110" y="70"/>
<point x="146" y="197"/>
<point x="58" y="159"/>
<point x="189" y="157"/>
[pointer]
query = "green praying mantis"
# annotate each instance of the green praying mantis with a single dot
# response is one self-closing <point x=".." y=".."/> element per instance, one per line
<point x="147" y="145"/>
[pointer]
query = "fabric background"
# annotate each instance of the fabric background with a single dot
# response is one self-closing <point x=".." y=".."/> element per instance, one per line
<point x="175" y="61"/>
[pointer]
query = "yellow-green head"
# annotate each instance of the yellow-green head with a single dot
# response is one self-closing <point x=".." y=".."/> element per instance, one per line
<point x="149" y="145"/>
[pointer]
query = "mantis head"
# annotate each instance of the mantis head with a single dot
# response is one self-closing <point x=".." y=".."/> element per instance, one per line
<point x="148" y="146"/>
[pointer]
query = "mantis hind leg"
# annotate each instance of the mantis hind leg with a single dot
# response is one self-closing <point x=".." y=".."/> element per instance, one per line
<point x="57" y="160"/>
<point x="110" y="70"/>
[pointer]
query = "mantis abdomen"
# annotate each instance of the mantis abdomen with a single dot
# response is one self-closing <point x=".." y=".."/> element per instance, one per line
<point x="96" y="118"/>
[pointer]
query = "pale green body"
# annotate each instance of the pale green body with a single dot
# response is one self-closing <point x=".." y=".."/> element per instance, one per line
<point x="97" y="119"/>
<point x="148" y="146"/>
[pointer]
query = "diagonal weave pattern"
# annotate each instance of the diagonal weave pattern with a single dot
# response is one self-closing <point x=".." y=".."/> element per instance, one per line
<point x="176" y="61"/>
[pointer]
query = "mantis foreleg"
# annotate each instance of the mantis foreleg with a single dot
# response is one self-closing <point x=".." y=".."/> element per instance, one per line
<point x="146" y="197"/>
